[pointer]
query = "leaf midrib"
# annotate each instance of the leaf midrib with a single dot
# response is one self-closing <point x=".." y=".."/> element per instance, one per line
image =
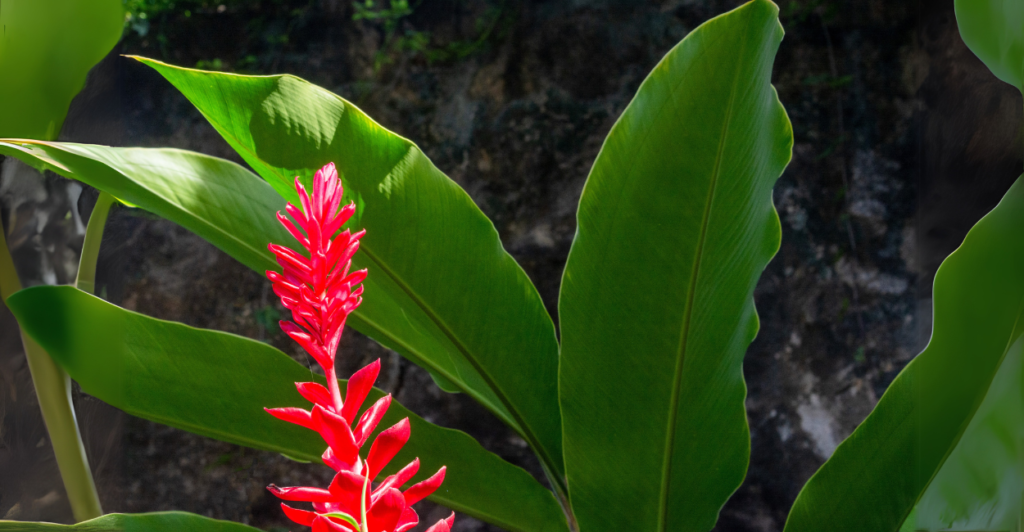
<point x="974" y="411"/>
<point x="688" y="314"/>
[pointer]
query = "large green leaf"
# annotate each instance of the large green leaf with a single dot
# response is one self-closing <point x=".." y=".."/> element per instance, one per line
<point x="994" y="31"/>
<point x="46" y="49"/>
<point x="979" y="487"/>
<point x="442" y="291"/>
<point x="153" y="522"/>
<point x="219" y="200"/>
<point x="216" y="384"/>
<point x="676" y="223"/>
<point x="948" y="435"/>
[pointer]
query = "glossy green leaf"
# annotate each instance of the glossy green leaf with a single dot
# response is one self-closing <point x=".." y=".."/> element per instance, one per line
<point x="216" y="384"/>
<point x="442" y="291"/>
<point x="218" y="200"/>
<point x="994" y="31"/>
<point x="981" y="483"/>
<point x="152" y="522"/>
<point x="676" y="224"/>
<point x="46" y="49"/>
<point x="948" y="435"/>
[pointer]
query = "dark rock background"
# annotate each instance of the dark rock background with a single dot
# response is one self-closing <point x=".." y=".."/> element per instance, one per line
<point x="903" y="141"/>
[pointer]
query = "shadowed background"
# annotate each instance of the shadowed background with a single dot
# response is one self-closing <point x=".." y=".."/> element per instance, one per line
<point x="903" y="140"/>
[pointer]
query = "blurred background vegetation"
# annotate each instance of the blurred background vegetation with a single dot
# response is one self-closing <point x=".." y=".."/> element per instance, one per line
<point x="276" y="27"/>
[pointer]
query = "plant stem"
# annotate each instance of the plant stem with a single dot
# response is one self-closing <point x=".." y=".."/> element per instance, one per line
<point x="86" y="280"/>
<point x="562" y="496"/>
<point x="53" y="389"/>
<point x="364" y="524"/>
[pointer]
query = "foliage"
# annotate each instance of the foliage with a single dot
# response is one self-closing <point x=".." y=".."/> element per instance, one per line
<point x="994" y="31"/>
<point x="390" y="16"/>
<point x="677" y="216"/>
<point x="498" y="345"/>
<point x="152" y="522"/>
<point x="215" y="384"/>
<point x="944" y="447"/>
<point x="276" y="26"/>
<point x="636" y="416"/>
<point x="271" y="26"/>
<point x="140" y="13"/>
<point x="949" y="426"/>
<point x="401" y="38"/>
<point x="46" y="51"/>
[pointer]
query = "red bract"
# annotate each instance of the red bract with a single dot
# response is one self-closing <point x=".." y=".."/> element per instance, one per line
<point x="341" y="506"/>
<point x="320" y="292"/>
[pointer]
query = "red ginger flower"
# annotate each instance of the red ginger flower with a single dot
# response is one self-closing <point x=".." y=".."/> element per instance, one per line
<point x="319" y="290"/>
<point x="321" y="293"/>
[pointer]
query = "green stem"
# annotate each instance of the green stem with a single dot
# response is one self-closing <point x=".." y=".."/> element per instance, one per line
<point x="86" y="280"/>
<point x="365" y="525"/>
<point x="53" y="388"/>
<point x="562" y="496"/>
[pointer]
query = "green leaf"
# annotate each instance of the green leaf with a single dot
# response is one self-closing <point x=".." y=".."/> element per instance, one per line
<point x="46" y="49"/>
<point x="979" y="485"/>
<point x="217" y="199"/>
<point x="442" y="291"/>
<point x="216" y="384"/>
<point x="946" y="441"/>
<point x="676" y="224"/>
<point x="152" y="522"/>
<point x="994" y="31"/>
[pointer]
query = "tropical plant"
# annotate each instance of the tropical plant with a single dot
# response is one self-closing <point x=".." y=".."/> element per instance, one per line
<point x="636" y="416"/>
<point x="944" y="447"/>
<point x="47" y="48"/>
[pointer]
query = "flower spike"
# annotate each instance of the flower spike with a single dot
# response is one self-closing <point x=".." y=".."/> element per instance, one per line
<point x="320" y="291"/>
<point x="303" y="286"/>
